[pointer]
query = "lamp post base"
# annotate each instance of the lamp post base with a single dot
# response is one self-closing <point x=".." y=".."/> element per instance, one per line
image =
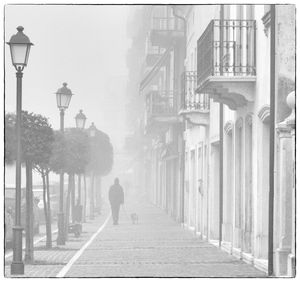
<point x="17" y="268"/>
<point x="17" y="265"/>
<point x="61" y="238"/>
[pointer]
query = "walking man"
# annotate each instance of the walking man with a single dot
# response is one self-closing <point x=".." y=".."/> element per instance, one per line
<point x="116" y="198"/>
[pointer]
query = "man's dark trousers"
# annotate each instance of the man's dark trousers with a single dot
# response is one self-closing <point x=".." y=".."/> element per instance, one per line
<point x="115" y="213"/>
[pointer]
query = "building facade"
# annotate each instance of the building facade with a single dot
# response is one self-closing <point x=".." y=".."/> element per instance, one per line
<point x="219" y="147"/>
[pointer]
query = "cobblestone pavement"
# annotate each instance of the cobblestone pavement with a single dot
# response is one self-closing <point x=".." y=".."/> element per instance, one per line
<point x="156" y="247"/>
<point x="49" y="262"/>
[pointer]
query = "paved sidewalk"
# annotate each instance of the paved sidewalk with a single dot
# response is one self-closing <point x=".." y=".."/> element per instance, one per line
<point x="48" y="262"/>
<point x="156" y="247"/>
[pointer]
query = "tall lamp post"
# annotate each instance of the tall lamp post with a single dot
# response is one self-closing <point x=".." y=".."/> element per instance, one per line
<point x="63" y="98"/>
<point x="92" y="133"/>
<point x="19" y="49"/>
<point x="80" y="123"/>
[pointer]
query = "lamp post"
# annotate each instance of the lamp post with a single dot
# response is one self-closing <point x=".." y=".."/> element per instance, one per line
<point x="19" y="49"/>
<point x="80" y="123"/>
<point x="63" y="98"/>
<point x="80" y="120"/>
<point x="92" y="133"/>
<point x="92" y="130"/>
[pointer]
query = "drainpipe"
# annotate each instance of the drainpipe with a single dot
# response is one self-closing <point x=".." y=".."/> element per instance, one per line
<point x="182" y="167"/>
<point x="184" y="26"/>
<point x="221" y="132"/>
<point x="272" y="138"/>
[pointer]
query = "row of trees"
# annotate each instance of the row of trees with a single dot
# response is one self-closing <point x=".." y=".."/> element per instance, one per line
<point x="45" y="150"/>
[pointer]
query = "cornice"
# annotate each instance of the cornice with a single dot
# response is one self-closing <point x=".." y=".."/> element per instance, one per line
<point x="228" y="127"/>
<point x="264" y="113"/>
<point x="266" y="19"/>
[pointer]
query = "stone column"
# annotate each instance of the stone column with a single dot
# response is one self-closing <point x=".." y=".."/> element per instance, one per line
<point x="284" y="198"/>
<point x="228" y="181"/>
<point x="291" y="122"/>
<point x="285" y="253"/>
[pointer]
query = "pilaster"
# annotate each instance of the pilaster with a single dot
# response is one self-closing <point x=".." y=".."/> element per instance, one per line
<point x="283" y="198"/>
<point x="285" y="253"/>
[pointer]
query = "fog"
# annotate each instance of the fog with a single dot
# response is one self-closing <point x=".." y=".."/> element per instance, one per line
<point x="83" y="45"/>
<point x="191" y="172"/>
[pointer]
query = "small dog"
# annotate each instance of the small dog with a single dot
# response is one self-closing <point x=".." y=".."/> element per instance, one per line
<point x="134" y="218"/>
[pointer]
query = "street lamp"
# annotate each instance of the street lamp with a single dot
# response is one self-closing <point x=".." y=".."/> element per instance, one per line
<point x="92" y="133"/>
<point x="92" y="130"/>
<point x="80" y="120"/>
<point x="19" y="49"/>
<point x="63" y="98"/>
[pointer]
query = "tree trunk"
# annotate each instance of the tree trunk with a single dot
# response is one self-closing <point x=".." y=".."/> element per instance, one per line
<point x="48" y="218"/>
<point x="45" y="198"/>
<point x="92" y="196"/>
<point x="79" y="189"/>
<point x="29" y="257"/>
<point x="98" y="194"/>
<point x="73" y="199"/>
<point x="67" y="220"/>
<point x="85" y="197"/>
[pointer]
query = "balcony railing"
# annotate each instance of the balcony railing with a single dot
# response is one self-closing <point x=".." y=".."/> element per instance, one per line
<point x="226" y="48"/>
<point x="190" y="100"/>
<point x="154" y="50"/>
<point x="161" y="103"/>
<point x="167" y="24"/>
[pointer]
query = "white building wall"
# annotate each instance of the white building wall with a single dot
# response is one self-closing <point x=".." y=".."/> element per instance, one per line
<point x="198" y="18"/>
<point x="251" y="248"/>
<point x="246" y="154"/>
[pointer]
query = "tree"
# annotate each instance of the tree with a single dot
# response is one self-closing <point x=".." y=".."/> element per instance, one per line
<point x="36" y="142"/>
<point x="77" y="158"/>
<point x="70" y="151"/>
<point x="10" y="138"/>
<point x="57" y="160"/>
<point x="100" y="163"/>
<point x="102" y="151"/>
<point x="70" y="155"/>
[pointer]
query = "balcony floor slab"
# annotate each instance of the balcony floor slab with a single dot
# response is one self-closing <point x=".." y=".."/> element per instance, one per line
<point x="234" y="91"/>
<point x="196" y="117"/>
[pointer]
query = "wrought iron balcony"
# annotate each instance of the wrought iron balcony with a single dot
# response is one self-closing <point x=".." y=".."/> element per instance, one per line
<point x="226" y="61"/>
<point x="190" y="100"/>
<point x="165" y="30"/>
<point x="161" y="107"/>
<point x="161" y="103"/>
<point x="153" y="53"/>
<point x="194" y="106"/>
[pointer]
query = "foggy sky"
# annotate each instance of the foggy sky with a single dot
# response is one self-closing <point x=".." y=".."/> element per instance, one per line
<point x="84" y="46"/>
